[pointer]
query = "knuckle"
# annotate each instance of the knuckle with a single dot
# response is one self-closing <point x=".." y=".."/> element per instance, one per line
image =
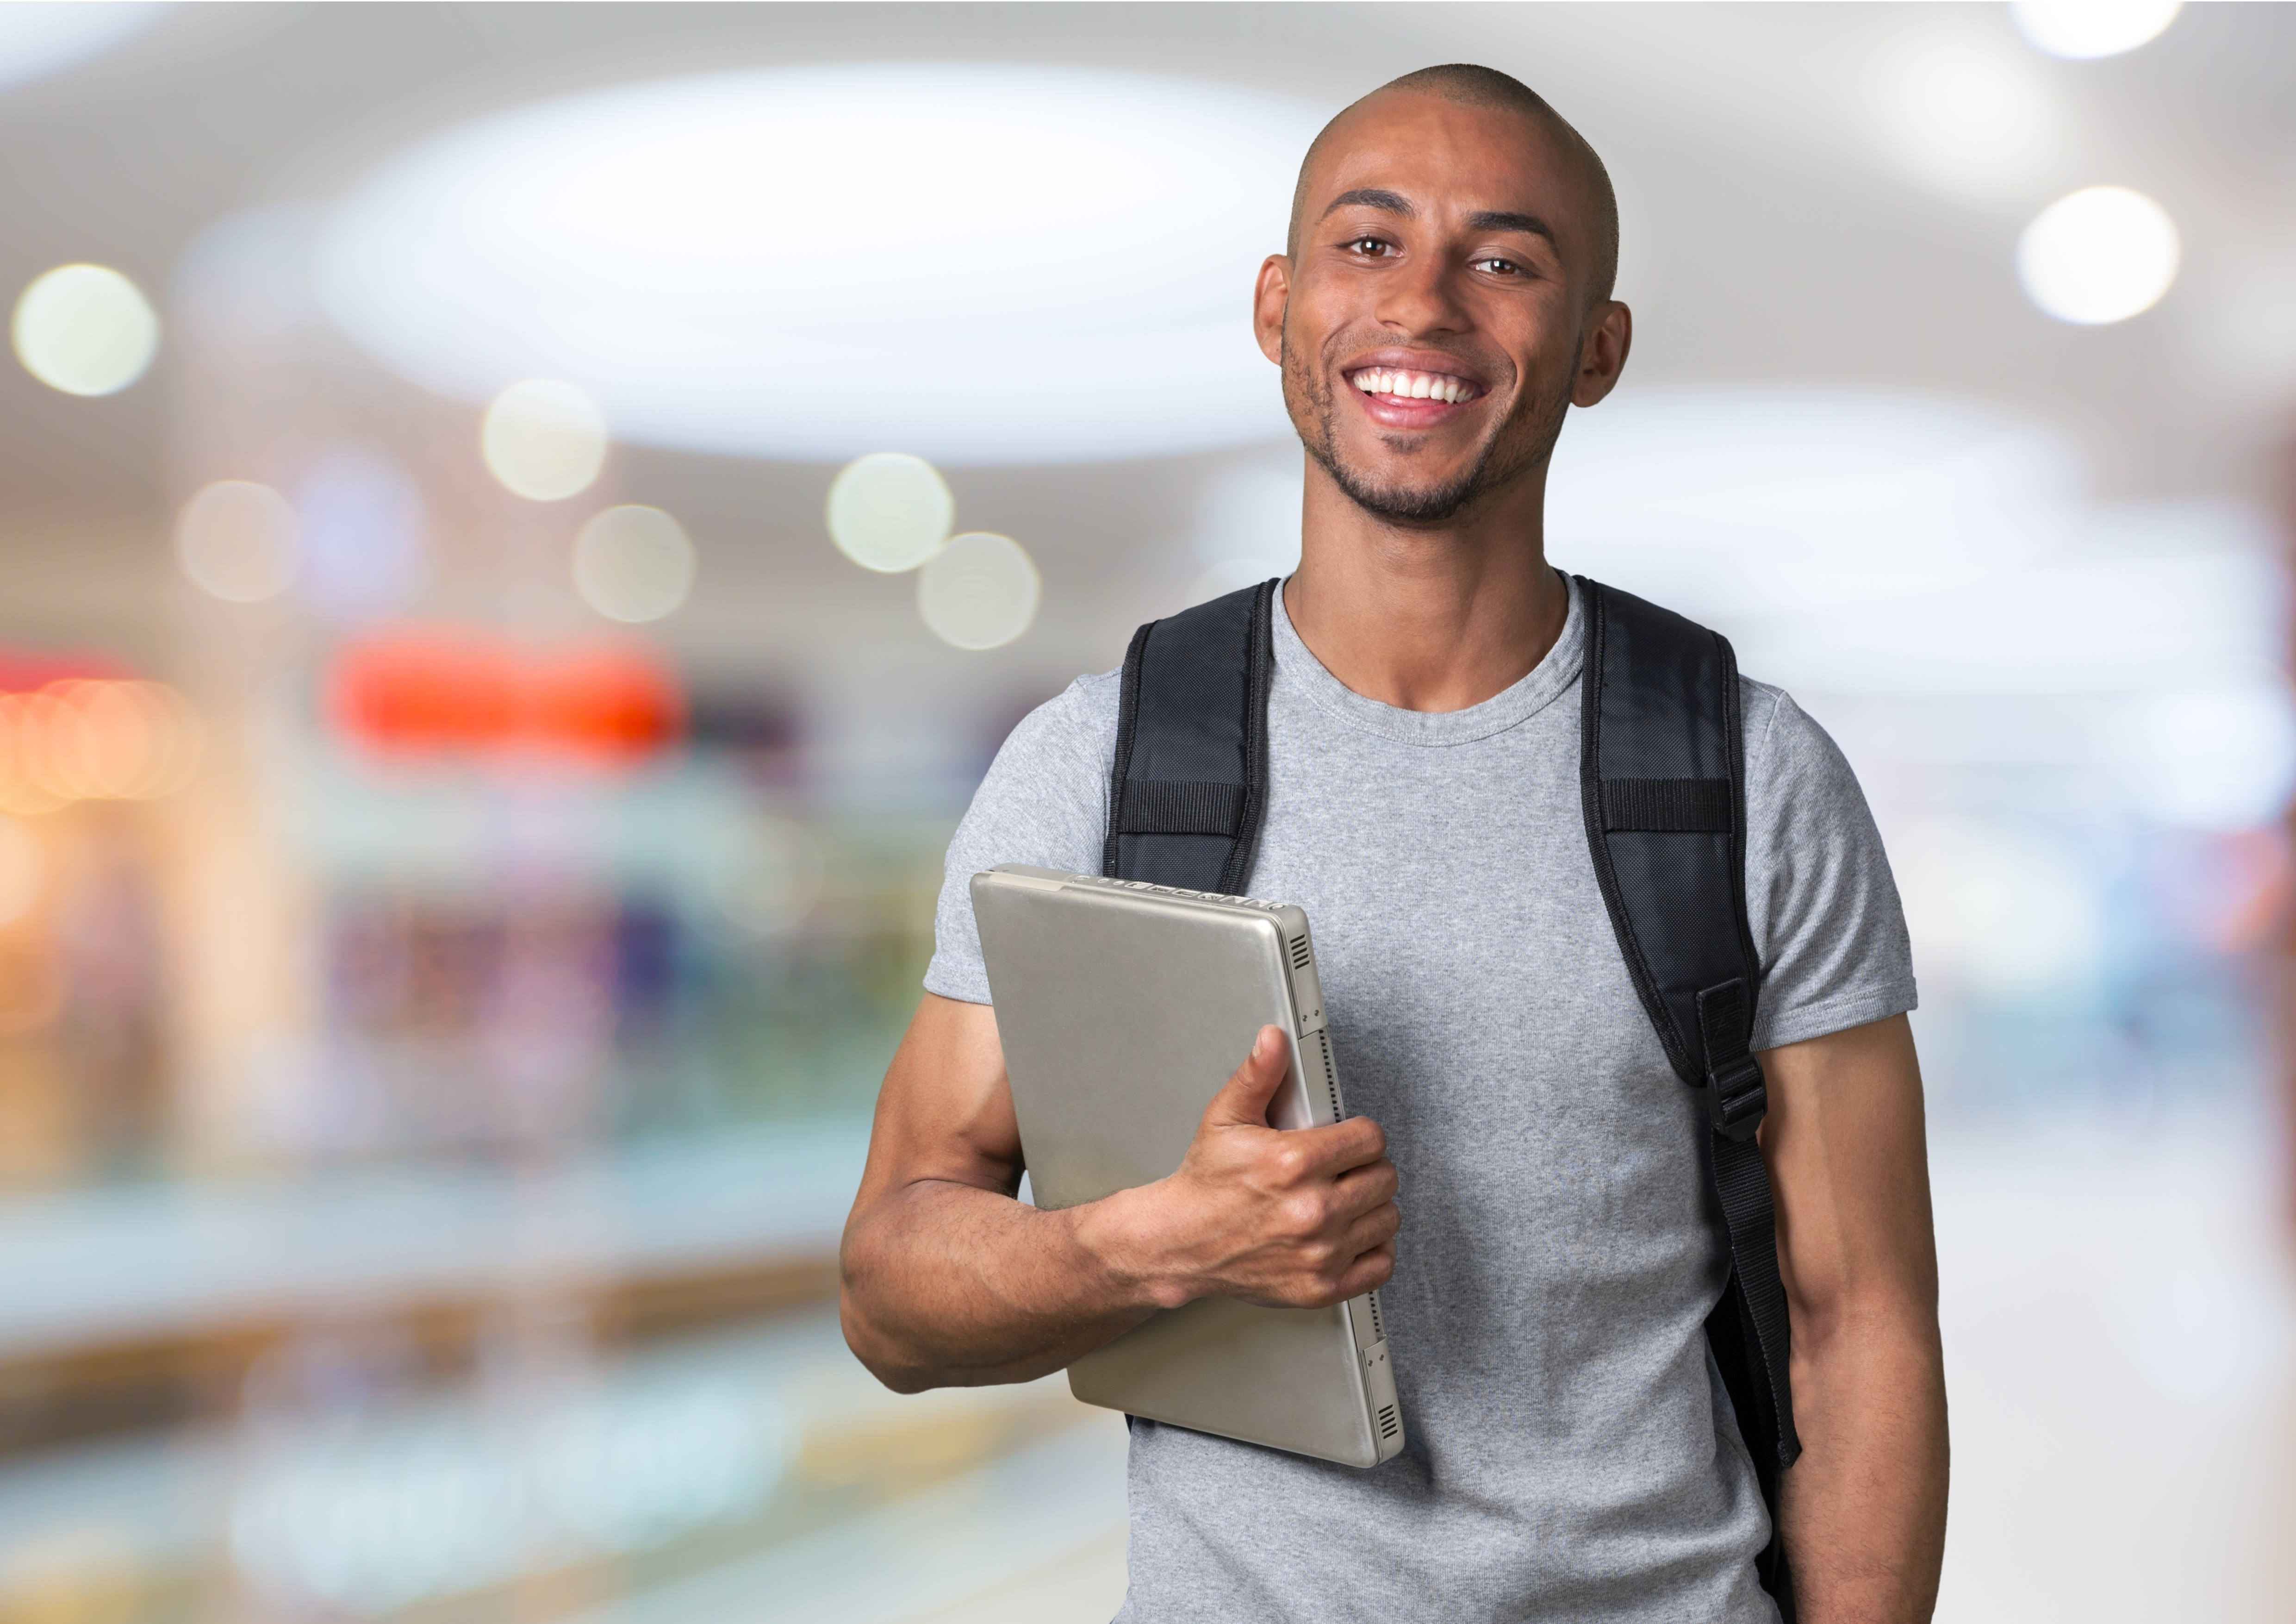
<point x="1302" y="1215"/>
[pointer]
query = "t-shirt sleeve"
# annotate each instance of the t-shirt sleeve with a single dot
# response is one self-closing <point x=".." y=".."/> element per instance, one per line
<point x="1827" y="924"/>
<point x="1045" y="801"/>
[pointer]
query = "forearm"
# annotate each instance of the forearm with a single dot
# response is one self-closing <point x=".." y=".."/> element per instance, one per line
<point x="947" y="1284"/>
<point x="1863" y="1509"/>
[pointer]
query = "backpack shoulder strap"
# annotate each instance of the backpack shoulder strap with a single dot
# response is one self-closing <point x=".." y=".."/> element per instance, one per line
<point x="1191" y="775"/>
<point x="1662" y="780"/>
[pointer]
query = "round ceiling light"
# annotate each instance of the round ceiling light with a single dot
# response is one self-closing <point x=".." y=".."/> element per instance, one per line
<point x="238" y="541"/>
<point x="634" y="563"/>
<point x="84" y="330"/>
<point x="2104" y="254"/>
<point x="979" y="591"/>
<point x="2079" y="30"/>
<point x="544" y="439"/>
<point x="979" y="264"/>
<point x="890" y="512"/>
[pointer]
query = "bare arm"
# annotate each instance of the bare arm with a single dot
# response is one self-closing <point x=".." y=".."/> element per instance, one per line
<point x="1863" y="1511"/>
<point x="949" y="1280"/>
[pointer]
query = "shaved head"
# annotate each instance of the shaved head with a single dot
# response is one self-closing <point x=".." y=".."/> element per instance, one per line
<point x="1467" y="84"/>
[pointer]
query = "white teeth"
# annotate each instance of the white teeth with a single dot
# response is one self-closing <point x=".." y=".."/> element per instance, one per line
<point x="1411" y="386"/>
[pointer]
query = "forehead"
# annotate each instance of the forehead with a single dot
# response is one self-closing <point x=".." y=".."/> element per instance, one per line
<point x="1450" y="158"/>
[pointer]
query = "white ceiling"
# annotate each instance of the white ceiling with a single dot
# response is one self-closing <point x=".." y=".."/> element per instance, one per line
<point x="1805" y="200"/>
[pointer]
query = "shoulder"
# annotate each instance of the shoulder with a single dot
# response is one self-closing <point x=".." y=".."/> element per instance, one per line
<point x="1788" y="753"/>
<point x="1046" y="794"/>
<point x="1075" y="728"/>
<point x="1759" y="704"/>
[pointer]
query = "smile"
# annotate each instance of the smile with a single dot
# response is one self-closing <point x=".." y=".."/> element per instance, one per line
<point x="1391" y="383"/>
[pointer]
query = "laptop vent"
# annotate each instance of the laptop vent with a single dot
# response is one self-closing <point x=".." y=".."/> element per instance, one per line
<point x="1389" y="1426"/>
<point x="1377" y="1335"/>
<point x="1299" y="955"/>
<point x="1331" y="1078"/>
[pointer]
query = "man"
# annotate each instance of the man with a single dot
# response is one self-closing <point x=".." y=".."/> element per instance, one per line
<point x="1444" y="298"/>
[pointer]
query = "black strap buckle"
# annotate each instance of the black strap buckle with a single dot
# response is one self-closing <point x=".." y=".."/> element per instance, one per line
<point x="1736" y="1098"/>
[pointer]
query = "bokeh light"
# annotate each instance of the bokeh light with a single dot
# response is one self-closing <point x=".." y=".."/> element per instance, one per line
<point x="633" y="563"/>
<point x="979" y="591"/>
<point x="890" y="512"/>
<point x="23" y="867"/>
<point x="768" y="877"/>
<point x="2102" y="255"/>
<point x="85" y="740"/>
<point x="544" y="439"/>
<point x="361" y="528"/>
<point x="238" y="541"/>
<point x="85" y="330"/>
<point x="2081" y="29"/>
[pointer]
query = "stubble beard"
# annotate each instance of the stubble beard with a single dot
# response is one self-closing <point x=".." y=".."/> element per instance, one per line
<point x="1313" y="402"/>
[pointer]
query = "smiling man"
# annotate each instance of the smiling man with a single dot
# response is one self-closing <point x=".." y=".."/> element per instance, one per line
<point x="1444" y="301"/>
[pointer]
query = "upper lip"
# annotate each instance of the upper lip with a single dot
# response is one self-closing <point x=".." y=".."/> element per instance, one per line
<point x="1416" y="361"/>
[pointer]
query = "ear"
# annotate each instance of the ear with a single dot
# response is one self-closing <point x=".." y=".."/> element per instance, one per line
<point x="1603" y="353"/>
<point x="1269" y="295"/>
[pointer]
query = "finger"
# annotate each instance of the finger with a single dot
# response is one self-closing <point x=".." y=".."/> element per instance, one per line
<point x="1242" y="1100"/>
<point x="1372" y="1230"/>
<point x="1359" y="1191"/>
<point x="1369" y="1272"/>
<point x="1334" y="1149"/>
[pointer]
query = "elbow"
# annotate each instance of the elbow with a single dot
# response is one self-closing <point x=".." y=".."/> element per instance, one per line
<point x="1850" y="1324"/>
<point x="880" y="1352"/>
<point x="876" y="1352"/>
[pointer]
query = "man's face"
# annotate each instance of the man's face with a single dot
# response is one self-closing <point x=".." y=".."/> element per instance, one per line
<point x="1433" y="322"/>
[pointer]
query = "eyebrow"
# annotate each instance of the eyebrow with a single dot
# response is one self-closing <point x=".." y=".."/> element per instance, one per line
<point x="1501" y="219"/>
<point x="1488" y="219"/>
<point x="1372" y="197"/>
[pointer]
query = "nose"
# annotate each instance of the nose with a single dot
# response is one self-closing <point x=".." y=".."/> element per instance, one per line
<point x="1423" y="300"/>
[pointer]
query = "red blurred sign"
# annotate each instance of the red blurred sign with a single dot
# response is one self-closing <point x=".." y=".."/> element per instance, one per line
<point x="479" y="695"/>
<point x="29" y="670"/>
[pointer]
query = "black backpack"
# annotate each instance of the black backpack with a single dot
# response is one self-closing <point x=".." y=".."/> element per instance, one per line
<point x="1663" y="784"/>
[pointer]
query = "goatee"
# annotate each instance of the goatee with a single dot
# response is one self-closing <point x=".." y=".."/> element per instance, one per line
<point x="1414" y="504"/>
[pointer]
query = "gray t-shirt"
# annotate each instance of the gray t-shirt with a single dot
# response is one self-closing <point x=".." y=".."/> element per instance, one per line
<point x="1571" y="1454"/>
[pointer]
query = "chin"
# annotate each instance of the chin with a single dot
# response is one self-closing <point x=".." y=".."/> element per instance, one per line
<point x="1416" y="500"/>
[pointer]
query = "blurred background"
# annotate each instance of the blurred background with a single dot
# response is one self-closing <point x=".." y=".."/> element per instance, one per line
<point x="521" y="526"/>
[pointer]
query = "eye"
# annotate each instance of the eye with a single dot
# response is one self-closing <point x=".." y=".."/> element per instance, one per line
<point x="1371" y="247"/>
<point x="1497" y="266"/>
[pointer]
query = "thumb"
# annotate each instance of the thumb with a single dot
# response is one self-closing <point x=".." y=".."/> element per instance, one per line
<point x="1242" y="1100"/>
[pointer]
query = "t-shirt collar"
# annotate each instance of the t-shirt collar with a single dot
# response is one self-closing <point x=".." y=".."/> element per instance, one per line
<point x="1300" y="669"/>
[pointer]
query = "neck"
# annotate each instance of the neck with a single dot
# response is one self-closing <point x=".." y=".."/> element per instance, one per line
<point x="1427" y="617"/>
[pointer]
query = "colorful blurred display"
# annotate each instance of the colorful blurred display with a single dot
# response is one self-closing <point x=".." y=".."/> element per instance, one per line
<point x="523" y="527"/>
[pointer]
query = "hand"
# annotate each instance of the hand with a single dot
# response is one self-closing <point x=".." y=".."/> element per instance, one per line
<point x="1303" y="1218"/>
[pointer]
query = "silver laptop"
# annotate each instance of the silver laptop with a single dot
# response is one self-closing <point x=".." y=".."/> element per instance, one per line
<point x="1123" y="1007"/>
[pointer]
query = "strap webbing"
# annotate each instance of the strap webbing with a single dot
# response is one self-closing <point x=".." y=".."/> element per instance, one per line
<point x="1662" y="775"/>
<point x="1182" y="806"/>
<point x="1667" y="806"/>
<point x="1191" y="773"/>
